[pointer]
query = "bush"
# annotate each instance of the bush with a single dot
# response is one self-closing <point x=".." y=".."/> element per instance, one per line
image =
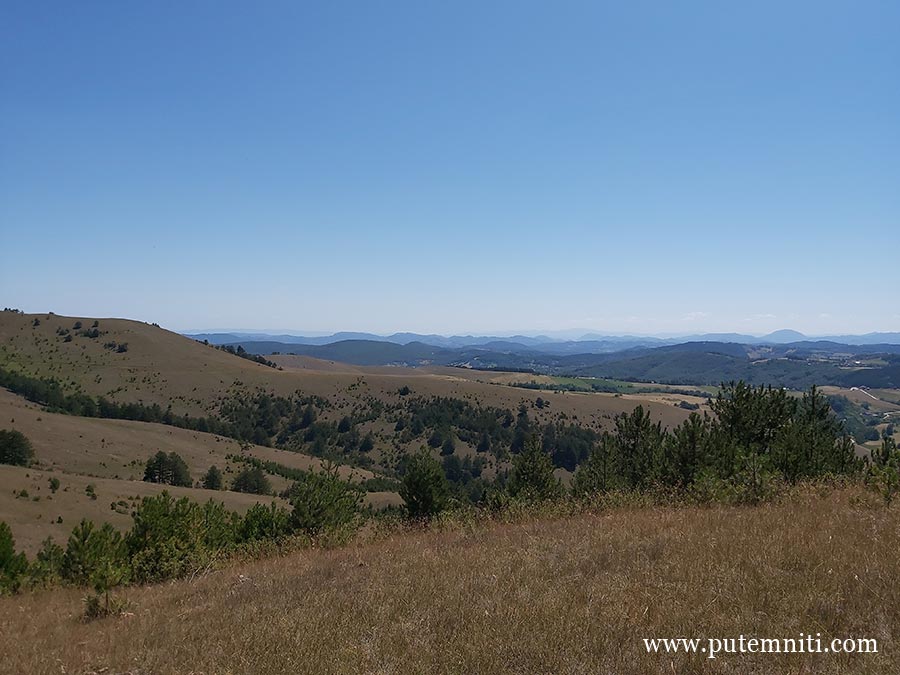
<point x="883" y="474"/>
<point x="108" y="575"/>
<point x="252" y="481"/>
<point x="47" y="566"/>
<point x="424" y="488"/>
<point x="15" y="448"/>
<point x="532" y="476"/>
<point x="262" y="523"/>
<point x="12" y="565"/>
<point x="172" y="538"/>
<point x="323" y="502"/>
<point x="100" y="605"/>
<point x="597" y="474"/>
<point x="90" y="551"/>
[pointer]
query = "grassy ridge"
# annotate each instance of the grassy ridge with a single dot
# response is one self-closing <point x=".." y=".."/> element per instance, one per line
<point x="575" y="593"/>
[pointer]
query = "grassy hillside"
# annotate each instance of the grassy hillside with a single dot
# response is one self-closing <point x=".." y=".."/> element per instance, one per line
<point x="43" y="514"/>
<point x="165" y="369"/>
<point x="574" y="594"/>
<point x="158" y="367"/>
<point x="118" y="448"/>
<point x="554" y="588"/>
<point x="133" y="362"/>
<point x="110" y="454"/>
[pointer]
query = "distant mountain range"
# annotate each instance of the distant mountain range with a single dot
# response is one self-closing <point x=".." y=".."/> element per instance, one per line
<point x="589" y="343"/>
<point x="796" y="365"/>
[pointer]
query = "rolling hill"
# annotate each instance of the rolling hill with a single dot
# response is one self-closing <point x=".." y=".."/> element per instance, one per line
<point x="182" y="386"/>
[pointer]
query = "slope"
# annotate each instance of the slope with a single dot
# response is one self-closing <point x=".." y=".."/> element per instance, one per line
<point x="574" y="594"/>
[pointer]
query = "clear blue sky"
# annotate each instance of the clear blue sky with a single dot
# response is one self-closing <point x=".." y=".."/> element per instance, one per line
<point x="453" y="166"/>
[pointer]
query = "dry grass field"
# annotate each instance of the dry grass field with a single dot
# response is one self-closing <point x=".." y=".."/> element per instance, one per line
<point x="567" y="594"/>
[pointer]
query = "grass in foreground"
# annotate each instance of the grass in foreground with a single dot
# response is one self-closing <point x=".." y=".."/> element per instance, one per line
<point x="571" y="595"/>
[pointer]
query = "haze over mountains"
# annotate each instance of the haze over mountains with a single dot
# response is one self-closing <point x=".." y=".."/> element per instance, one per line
<point x="785" y="358"/>
<point x="588" y="342"/>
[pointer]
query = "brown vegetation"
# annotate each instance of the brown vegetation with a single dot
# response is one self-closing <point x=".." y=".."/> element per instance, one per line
<point x="567" y="594"/>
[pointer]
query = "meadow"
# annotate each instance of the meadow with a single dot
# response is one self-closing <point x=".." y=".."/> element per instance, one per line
<point x="547" y="591"/>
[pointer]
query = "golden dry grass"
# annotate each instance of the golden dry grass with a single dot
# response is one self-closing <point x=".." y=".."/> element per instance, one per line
<point x="564" y="595"/>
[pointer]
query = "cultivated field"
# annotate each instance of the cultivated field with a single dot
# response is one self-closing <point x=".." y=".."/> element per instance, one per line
<point x="568" y="594"/>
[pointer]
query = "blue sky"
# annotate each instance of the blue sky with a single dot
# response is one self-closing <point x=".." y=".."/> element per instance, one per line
<point x="454" y="167"/>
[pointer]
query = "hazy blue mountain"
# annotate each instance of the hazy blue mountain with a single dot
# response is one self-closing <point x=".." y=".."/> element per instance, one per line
<point x="589" y="343"/>
<point x="783" y="336"/>
<point x="867" y="339"/>
<point x="719" y="337"/>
